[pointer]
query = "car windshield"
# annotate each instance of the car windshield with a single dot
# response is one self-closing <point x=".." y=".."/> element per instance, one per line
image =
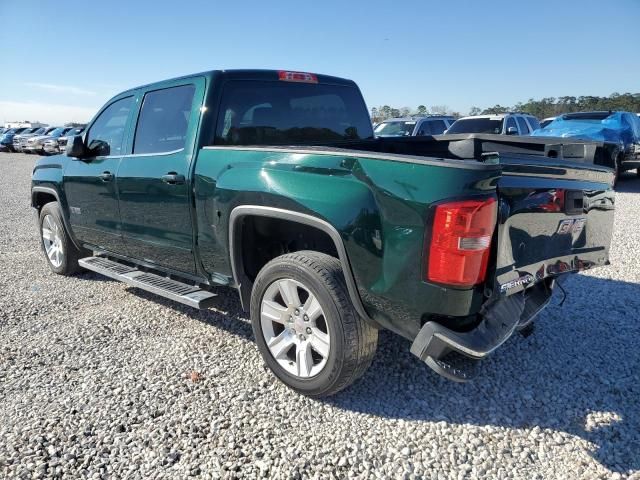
<point x="40" y="131"/>
<point x="395" y="129"/>
<point x="477" y="125"/>
<point x="57" y="132"/>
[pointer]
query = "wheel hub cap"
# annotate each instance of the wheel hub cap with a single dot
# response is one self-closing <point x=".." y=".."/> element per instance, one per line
<point x="294" y="328"/>
<point x="52" y="241"/>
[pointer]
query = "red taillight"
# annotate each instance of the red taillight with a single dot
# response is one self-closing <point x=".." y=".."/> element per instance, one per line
<point x="297" y="77"/>
<point x="460" y="242"/>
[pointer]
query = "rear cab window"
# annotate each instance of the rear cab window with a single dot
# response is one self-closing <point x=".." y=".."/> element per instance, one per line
<point x="263" y="112"/>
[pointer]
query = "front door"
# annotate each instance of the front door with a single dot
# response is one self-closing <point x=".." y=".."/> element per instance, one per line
<point x="90" y="183"/>
<point x="153" y="181"/>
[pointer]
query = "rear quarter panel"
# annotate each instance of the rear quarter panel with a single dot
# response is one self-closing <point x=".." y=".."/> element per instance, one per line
<point x="379" y="207"/>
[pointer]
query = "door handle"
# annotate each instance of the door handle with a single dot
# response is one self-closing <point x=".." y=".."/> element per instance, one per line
<point x="173" y="178"/>
<point x="106" y="176"/>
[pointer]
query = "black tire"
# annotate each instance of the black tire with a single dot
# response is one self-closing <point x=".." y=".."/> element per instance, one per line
<point x="353" y="341"/>
<point x="71" y="254"/>
<point x="638" y="171"/>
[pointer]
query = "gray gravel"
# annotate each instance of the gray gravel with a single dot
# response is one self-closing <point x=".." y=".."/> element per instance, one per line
<point x="99" y="380"/>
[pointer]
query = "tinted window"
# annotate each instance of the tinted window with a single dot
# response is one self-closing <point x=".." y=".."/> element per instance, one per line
<point x="524" y="129"/>
<point x="396" y="129"/>
<point x="476" y="125"/>
<point x="286" y="113"/>
<point x="107" y="132"/>
<point x="533" y="121"/>
<point x="164" y="118"/>
<point x="437" y="127"/>
<point x="511" y="123"/>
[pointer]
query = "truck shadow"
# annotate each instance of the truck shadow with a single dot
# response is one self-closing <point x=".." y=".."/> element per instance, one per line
<point x="578" y="373"/>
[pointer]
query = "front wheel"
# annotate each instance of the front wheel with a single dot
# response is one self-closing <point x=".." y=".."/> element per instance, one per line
<point x="306" y="327"/>
<point x="62" y="255"/>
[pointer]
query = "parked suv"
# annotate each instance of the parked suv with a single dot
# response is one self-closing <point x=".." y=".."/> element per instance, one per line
<point x="414" y="126"/>
<point x="500" y="124"/>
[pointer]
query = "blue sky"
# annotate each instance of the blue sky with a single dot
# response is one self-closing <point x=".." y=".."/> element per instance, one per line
<point x="62" y="62"/>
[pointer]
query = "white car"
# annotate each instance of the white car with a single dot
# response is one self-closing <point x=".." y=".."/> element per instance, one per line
<point x="514" y="123"/>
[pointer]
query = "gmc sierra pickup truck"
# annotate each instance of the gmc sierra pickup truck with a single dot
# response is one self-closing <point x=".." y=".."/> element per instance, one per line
<point x="273" y="184"/>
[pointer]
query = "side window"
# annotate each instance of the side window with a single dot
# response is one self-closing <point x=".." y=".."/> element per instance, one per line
<point x="437" y="127"/>
<point x="107" y="132"/>
<point x="510" y="123"/>
<point x="533" y="121"/>
<point x="524" y="129"/>
<point x="425" y="128"/>
<point x="163" y="121"/>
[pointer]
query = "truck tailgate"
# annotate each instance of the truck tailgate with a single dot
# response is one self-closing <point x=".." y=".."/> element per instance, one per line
<point x="555" y="216"/>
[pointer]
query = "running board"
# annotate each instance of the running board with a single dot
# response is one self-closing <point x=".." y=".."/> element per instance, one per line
<point x="165" y="287"/>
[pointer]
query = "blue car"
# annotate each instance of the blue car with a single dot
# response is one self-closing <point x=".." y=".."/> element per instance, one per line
<point x="6" y="139"/>
<point x="621" y="128"/>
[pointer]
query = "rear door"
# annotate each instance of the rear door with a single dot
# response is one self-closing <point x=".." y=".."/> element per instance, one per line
<point x="554" y="217"/>
<point x="153" y="180"/>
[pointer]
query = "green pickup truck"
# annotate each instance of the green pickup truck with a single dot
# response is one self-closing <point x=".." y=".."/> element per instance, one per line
<point x="272" y="183"/>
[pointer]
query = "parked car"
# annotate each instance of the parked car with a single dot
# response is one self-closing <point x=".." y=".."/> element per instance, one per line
<point x="546" y="121"/>
<point x="500" y="124"/>
<point x="36" y="144"/>
<point x="59" y="145"/>
<point x="6" y="139"/>
<point x="20" y="141"/>
<point x="280" y="191"/>
<point x="413" y="126"/>
<point x="621" y="128"/>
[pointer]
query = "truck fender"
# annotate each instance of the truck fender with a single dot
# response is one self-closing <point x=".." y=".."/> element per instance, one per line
<point x="235" y="234"/>
<point x="52" y="191"/>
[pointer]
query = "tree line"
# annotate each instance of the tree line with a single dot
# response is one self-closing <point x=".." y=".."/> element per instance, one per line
<point x="545" y="107"/>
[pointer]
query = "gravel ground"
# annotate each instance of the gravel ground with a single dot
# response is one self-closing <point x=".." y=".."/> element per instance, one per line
<point x="99" y="380"/>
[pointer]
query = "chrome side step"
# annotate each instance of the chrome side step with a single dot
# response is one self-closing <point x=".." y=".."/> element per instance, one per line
<point x="165" y="287"/>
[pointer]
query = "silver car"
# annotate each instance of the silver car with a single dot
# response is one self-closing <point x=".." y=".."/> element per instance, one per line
<point x="20" y="141"/>
<point x="36" y="144"/>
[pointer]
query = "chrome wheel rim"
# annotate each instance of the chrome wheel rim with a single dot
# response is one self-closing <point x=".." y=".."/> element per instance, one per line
<point x="52" y="241"/>
<point x="295" y="328"/>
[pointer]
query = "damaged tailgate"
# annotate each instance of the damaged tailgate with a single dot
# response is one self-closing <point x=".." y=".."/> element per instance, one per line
<point x="555" y="216"/>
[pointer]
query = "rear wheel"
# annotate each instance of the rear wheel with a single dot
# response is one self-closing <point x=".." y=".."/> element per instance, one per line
<point x="62" y="255"/>
<point x="306" y="327"/>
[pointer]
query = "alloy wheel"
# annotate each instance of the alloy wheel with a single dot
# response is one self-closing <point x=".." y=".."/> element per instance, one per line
<point x="52" y="241"/>
<point x="294" y="328"/>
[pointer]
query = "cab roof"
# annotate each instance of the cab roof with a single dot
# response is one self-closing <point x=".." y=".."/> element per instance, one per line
<point x="248" y="74"/>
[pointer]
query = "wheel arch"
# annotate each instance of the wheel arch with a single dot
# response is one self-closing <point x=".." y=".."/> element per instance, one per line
<point x="40" y="196"/>
<point x="244" y="283"/>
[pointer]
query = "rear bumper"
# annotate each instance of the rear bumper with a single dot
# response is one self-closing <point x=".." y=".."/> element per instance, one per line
<point x="500" y="319"/>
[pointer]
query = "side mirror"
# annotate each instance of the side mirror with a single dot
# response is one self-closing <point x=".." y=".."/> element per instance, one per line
<point x="76" y="147"/>
<point x="512" y="131"/>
